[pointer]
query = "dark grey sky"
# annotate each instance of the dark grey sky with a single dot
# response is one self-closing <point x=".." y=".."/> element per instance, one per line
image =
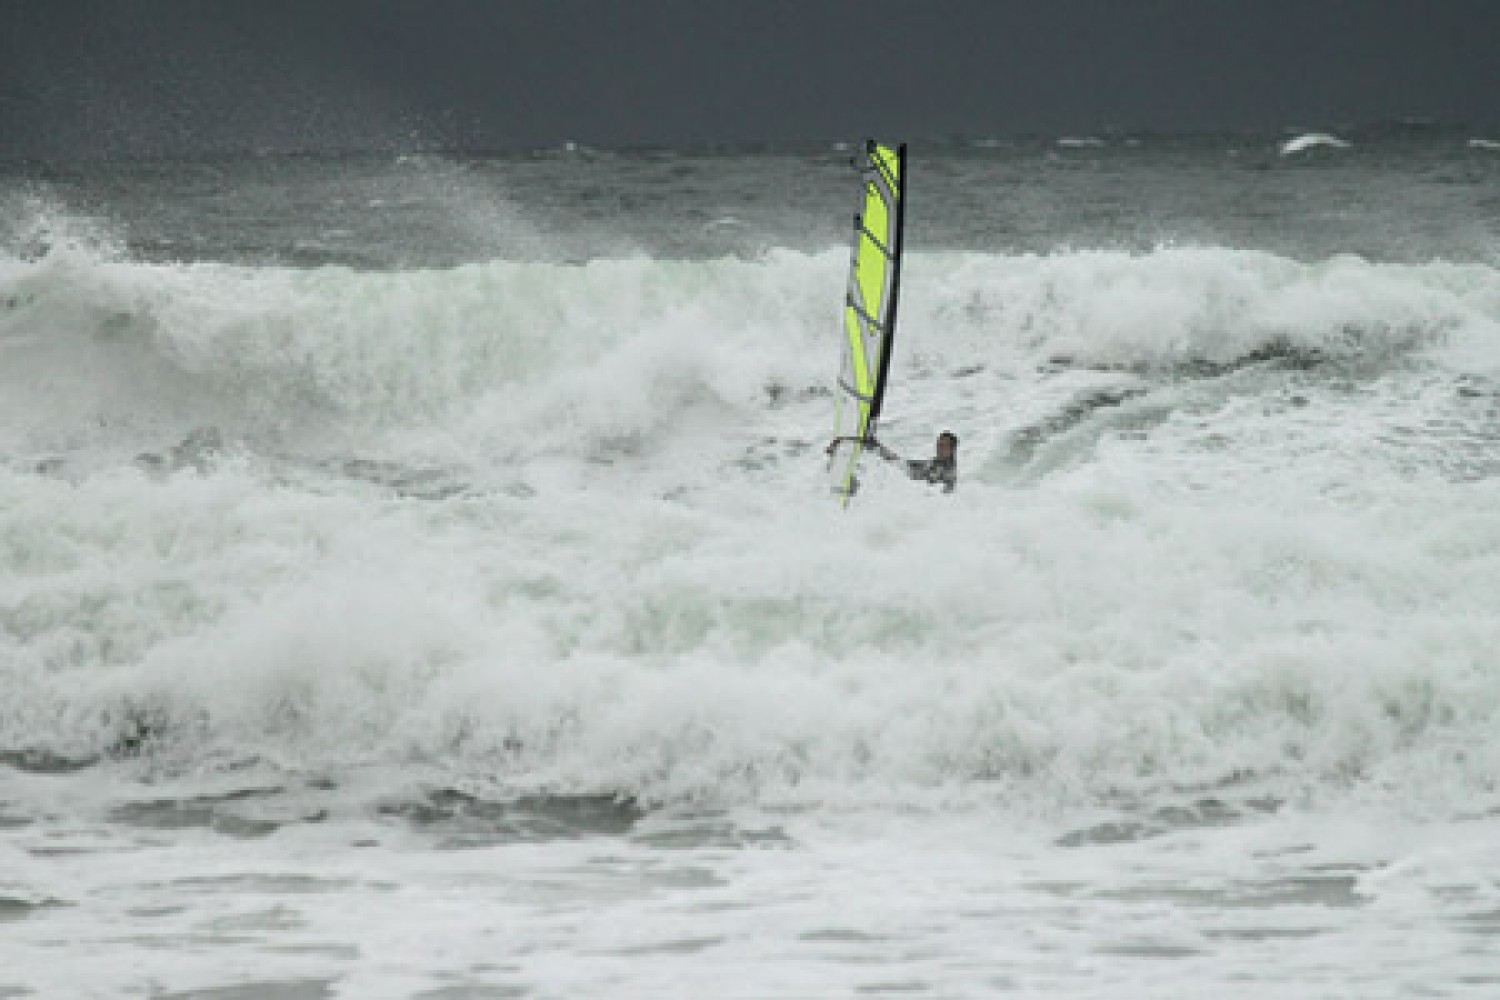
<point x="153" y="77"/>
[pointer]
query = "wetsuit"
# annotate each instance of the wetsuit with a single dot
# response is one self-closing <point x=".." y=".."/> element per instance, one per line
<point x="928" y="470"/>
<point x="934" y="471"/>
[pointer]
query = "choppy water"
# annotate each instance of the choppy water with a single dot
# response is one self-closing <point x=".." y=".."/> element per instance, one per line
<point x="417" y="578"/>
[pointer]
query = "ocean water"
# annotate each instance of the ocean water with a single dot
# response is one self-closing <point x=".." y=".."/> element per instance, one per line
<point x="418" y="577"/>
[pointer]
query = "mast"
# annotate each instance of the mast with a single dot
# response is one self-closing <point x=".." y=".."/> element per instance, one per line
<point x="889" y="320"/>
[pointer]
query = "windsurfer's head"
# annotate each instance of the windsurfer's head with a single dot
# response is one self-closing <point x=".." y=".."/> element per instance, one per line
<point x="947" y="446"/>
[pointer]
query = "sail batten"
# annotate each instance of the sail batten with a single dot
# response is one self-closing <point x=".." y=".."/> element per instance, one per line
<point x="869" y="308"/>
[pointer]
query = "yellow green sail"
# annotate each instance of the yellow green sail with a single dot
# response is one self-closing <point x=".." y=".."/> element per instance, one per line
<point x="869" y="310"/>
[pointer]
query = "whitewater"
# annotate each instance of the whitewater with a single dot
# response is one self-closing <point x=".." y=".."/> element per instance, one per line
<point x="418" y="578"/>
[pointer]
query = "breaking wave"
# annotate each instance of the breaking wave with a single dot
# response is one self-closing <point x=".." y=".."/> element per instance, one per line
<point x="94" y="343"/>
<point x="1196" y="541"/>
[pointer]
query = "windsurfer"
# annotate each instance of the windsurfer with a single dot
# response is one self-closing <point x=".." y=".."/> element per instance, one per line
<point x="942" y="467"/>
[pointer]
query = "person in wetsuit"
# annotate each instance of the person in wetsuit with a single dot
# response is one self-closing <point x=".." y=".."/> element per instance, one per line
<point x="942" y="467"/>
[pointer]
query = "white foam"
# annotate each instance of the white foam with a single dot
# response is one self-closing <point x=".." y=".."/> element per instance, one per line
<point x="643" y="588"/>
<point x="1205" y="661"/>
<point x="282" y="356"/>
<point x="1312" y="140"/>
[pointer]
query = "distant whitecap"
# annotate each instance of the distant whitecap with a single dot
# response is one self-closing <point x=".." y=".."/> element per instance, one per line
<point x="1312" y="140"/>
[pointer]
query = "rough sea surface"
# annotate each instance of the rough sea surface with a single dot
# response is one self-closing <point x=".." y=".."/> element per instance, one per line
<point x="418" y="577"/>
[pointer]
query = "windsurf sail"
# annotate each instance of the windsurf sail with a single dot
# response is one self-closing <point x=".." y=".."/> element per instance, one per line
<point x="869" y="310"/>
